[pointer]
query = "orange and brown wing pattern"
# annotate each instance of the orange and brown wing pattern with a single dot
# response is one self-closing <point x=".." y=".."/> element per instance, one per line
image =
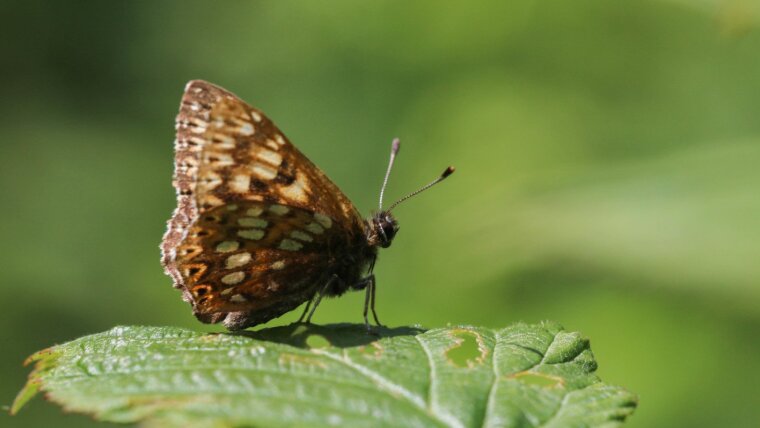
<point x="241" y="184"/>
<point x="252" y="255"/>
<point x="241" y="155"/>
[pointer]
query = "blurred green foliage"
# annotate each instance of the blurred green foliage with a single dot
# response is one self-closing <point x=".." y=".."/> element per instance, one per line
<point x="607" y="157"/>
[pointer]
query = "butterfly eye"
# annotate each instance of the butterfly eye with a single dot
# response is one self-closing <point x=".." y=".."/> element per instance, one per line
<point x="389" y="229"/>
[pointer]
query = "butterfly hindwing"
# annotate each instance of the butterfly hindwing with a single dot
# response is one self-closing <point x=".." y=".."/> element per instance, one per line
<point x="251" y="255"/>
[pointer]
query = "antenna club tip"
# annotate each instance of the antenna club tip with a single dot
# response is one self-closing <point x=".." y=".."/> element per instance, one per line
<point x="395" y="145"/>
<point x="450" y="170"/>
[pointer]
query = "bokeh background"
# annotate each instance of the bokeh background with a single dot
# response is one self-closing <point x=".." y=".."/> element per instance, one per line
<point x="608" y="158"/>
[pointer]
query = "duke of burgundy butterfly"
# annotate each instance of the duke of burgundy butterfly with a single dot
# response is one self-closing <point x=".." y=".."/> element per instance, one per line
<point x="259" y="229"/>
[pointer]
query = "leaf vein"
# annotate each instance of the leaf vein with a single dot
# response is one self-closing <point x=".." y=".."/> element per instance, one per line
<point x="384" y="383"/>
<point x="496" y="376"/>
<point x="432" y="401"/>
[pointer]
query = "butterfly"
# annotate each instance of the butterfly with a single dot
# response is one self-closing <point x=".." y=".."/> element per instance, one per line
<point x="259" y="229"/>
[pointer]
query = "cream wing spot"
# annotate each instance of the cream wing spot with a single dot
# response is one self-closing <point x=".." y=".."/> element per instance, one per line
<point x="254" y="212"/>
<point x="240" y="183"/>
<point x="290" y="245"/>
<point x="218" y="159"/>
<point x="227" y="291"/>
<point x="227" y="246"/>
<point x="210" y="180"/>
<point x="253" y="197"/>
<point x="211" y="201"/>
<point x="315" y="228"/>
<point x="221" y="141"/>
<point x="232" y="207"/>
<point x="233" y="278"/>
<point x="190" y="85"/>
<point x="279" y="209"/>
<point x="246" y="129"/>
<point x="278" y="265"/>
<point x="255" y="116"/>
<point x="268" y="156"/>
<point x="237" y="298"/>
<point x="297" y="190"/>
<point x="197" y="126"/>
<point x="237" y="260"/>
<point x="263" y="171"/>
<point x="323" y="220"/>
<point x="303" y="236"/>
<point x="253" y="234"/>
<point x="198" y="141"/>
<point x="253" y="222"/>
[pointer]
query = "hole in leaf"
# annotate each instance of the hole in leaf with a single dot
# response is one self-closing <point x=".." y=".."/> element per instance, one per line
<point x="317" y="341"/>
<point x="539" y="379"/>
<point x="466" y="352"/>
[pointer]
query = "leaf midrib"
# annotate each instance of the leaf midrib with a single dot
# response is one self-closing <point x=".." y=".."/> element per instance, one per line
<point x="388" y="386"/>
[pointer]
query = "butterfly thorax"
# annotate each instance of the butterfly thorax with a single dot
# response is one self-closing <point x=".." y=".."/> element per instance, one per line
<point x="355" y="261"/>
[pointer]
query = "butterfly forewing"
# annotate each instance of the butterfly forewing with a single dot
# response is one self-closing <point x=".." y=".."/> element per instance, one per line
<point x="256" y="223"/>
<point x="244" y="156"/>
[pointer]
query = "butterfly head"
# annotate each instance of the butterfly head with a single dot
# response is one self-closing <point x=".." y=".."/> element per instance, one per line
<point x="382" y="227"/>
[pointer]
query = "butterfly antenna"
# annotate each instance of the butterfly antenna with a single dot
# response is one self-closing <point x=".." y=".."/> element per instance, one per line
<point x="395" y="146"/>
<point x="446" y="173"/>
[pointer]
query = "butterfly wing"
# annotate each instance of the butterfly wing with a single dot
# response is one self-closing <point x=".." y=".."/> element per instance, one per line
<point x="232" y="162"/>
<point x="254" y="259"/>
<point x="241" y="154"/>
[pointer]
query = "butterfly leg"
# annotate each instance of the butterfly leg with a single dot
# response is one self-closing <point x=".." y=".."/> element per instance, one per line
<point x="372" y="303"/>
<point x="318" y="297"/>
<point x="305" y="311"/>
<point x="366" y="307"/>
<point x="369" y="285"/>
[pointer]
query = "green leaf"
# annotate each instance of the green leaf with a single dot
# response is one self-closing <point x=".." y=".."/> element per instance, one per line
<point x="307" y="375"/>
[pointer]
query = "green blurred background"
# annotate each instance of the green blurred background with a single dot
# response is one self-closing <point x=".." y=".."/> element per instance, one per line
<point x="608" y="158"/>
